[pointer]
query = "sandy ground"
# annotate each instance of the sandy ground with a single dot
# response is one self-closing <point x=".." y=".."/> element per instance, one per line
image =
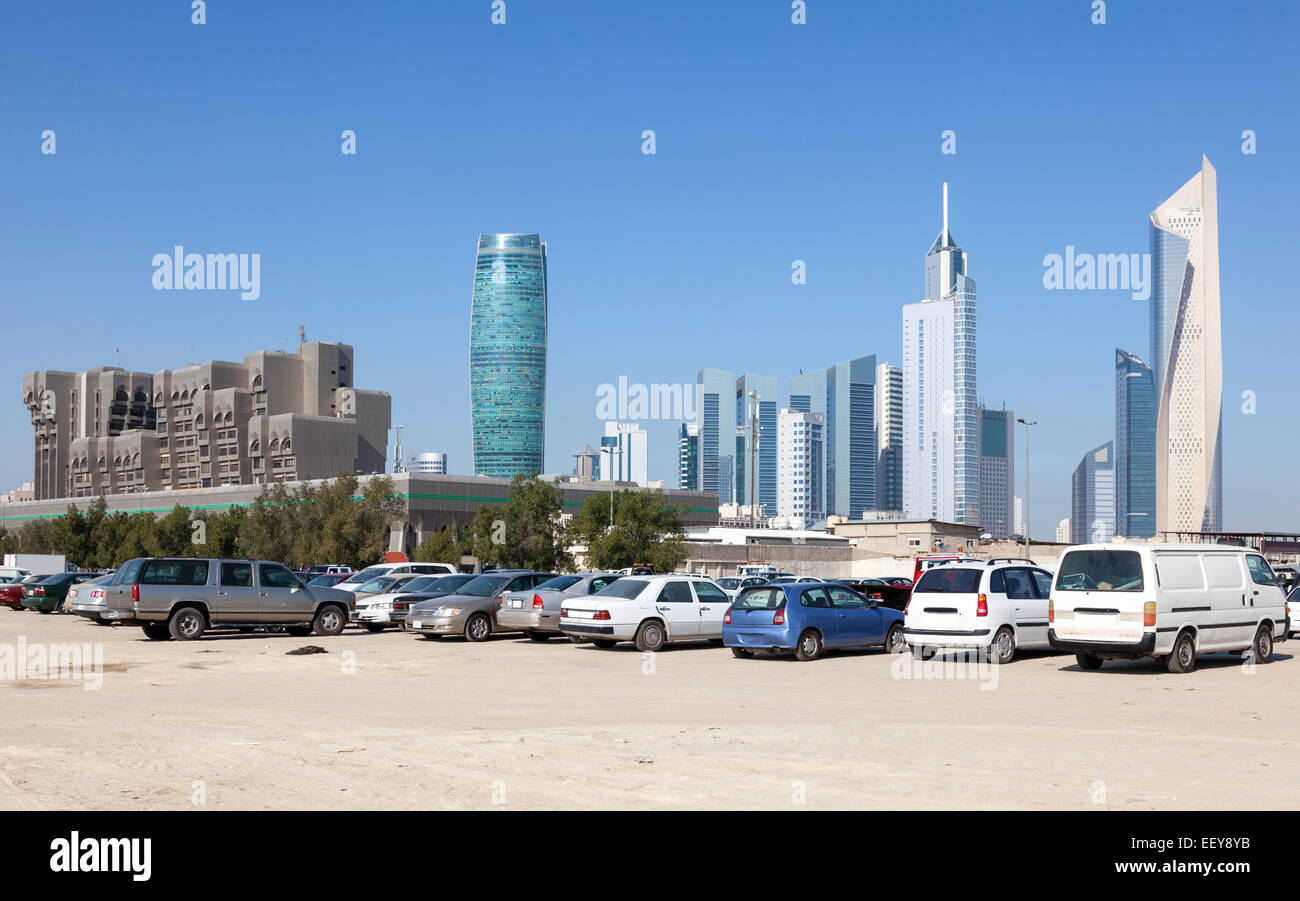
<point x="394" y="721"/>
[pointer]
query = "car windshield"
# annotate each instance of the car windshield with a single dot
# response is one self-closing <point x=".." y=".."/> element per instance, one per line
<point x="448" y="583"/>
<point x="367" y="574"/>
<point x="1100" y="571"/>
<point x="326" y="581"/>
<point x="376" y="586"/>
<point x="949" y="580"/>
<point x="623" y="588"/>
<point x="483" y="586"/>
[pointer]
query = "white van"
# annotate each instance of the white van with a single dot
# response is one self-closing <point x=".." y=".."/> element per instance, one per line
<point x="1171" y="601"/>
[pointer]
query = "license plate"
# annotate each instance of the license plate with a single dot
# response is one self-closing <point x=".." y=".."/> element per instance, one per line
<point x="415" y="624"/>
<point x="516" y="604"/>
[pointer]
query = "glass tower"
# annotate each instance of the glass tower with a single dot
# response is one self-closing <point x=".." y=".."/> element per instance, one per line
<point x="717" y="433"/>
<point x="1135" y="447"/>
<point x="1092" y="509"/>
<point x="769" y="407"/>
<point x="507" y="355"/>
<point x="851" y="437"/>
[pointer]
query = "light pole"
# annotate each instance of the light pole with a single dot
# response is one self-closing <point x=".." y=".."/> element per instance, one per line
<point x="612" y="451"/>
<point x="1027" y="424"/>
<point x="753" y="459"/>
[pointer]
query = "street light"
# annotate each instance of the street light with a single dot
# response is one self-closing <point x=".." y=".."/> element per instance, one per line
<point x="1027" y="424"/>
<point x="613" y="446"/>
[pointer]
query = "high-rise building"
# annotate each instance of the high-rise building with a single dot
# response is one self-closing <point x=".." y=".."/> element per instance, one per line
<point x="1187" y="357"/>
<point x="997" y="472"/>
<point x="688" y="457"/>
<point x="1135" y="447"/>
<point x="717" y="427"/>
<point x="1063" y="531"/>
<point x="434" y="463"/>
<point x="1092" y="508"/>
<point x="586" y="463"/>
<point x="507" y="355"/>
<point x="623" y="456"/>
<point x="769" y="403"/>
<point x="940" y="411"/>
<point x="889" y="437"/>
<point x="276" y="417"/>
<point x="800" y="448"/>
<point x="851" y="447"/>
<point x="1018" y="516"/>
<point x="808" y="395"/>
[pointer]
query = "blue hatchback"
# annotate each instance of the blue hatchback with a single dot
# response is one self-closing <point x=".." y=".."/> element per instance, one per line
<point x="808" y="618"/>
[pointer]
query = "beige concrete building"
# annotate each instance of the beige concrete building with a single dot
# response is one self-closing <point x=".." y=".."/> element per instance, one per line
<point x="274" y="417"/>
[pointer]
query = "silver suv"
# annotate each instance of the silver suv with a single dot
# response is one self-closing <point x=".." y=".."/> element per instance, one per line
<point x="182" y="597"/>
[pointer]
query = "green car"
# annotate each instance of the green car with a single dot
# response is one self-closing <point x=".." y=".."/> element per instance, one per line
<point x="51" y="594"/>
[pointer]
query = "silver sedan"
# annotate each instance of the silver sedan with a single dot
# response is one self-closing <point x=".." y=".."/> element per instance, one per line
<point x="536" y="613"/>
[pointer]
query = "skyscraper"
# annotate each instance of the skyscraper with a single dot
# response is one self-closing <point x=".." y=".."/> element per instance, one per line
<point x="1092" y="508"/>
<point x="623" y="456"/>
<point x="507" y="355"/>
<point x="586" y="463"/>
<point x="717" y="427"/>
<point x="940" y="411"/>
<point x="808" y="395"/>
<point x="997" y="472"/>
<point x="800" y="448"/>
<point x="851" y="437"/>
<point x="688" y="457"/>
<point x="889" y="437"/>
<point x="769" y="403"/>
<point x="1135" y="447"/>
<point x="1187" y="357"/>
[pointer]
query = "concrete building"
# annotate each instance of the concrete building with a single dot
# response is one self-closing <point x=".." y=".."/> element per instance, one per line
<point x="889" y="437"/>
<point x="800" y="445"/>
<point x="997" y="472"/>
<point x="688" y="457"/>
<point x="1187" y="357"/>
<point x="624" y="453"/>
<point x="940" y="410"/>
<point x="1063" y="531"/>
<point x="274" y="417"/>
<point x="434" y="463"/>
<point x="1018" y="516"/>
<point x="586" y="463"/>
<point x="1092" y="510"/>
<point x="808" y="395"/>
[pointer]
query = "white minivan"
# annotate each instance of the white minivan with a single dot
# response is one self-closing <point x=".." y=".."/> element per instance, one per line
<point x="1171" y="601"/>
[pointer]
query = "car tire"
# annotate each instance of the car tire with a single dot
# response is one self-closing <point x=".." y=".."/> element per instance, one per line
<point x="894" y="642"/>
<point x="372" y="627"/>
<point x="1182" y="658"/>
<point x="62" y="608"/>
<point x="810" y="646"/>
<point x="534" y="635"/>
<point x="157" y="631"/>
<point x="1262" y="648"/>
<point x="1088" y="661"/>
<point x="605" y="643"/>
<point x="330" y="620"/>
<point x="1003" y="648"/>
<point x="187" y="624"/>
<point x="651" y="636"/>
<point x="742" y="653"/>
<point x="478" y="627"/>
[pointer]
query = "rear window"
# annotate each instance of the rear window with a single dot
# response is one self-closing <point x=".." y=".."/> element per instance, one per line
<point x="559" y="583"/>
<point x="761" y="599"/>
<point x="175" y="572"/>
<point x="949" y="580"/>
<point x="1100" y="571"/>
<point x="623" y="588"/>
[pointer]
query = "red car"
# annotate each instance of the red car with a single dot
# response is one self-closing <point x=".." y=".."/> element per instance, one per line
<point x="11" y="593"/>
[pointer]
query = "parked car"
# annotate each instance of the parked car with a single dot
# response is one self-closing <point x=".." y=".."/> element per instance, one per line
<point x="87" y="598"/>
<point x="991" y="606"/>
<point x="648" y="610"/>
<point x="50" y="594"/>
<point x="472" y="610"/>
<point x="384" y="584"/>
<point x="11" y="593"/>
<point x="892" y="596"/>
<point x="1293" y="611"/>
<point x="326" y="580"/>
<point x="357" y="579"/>
<point x="182" y="597"/>
<point x="1170" y="601"/>
<point x="329" y="569"/>
<point x="928" y="561"/>
<point x="806" y="619"/>
<point x="897" y="581"/>
<point x="536" y="613"/>
<point x="377" y="612"/>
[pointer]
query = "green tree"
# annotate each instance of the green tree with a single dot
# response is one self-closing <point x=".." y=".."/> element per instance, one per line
<point x="441" y="546"/>
<point x="646" y="530"/>
<point x="173" y="535"/>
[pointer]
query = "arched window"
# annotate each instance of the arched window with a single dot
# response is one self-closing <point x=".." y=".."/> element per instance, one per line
<point x="257" y="382"/>
<point x="199" y="422"/>
<point x="158" y="399"/>
<point x="175" y="396"/>
<point x="275" y="445"/>
<point x="255" y="447"/>
<point x="103" y="463"/>
<point x="285" y="446"/>
<point x="121" y="393"/>
<point x="140" y="396"/>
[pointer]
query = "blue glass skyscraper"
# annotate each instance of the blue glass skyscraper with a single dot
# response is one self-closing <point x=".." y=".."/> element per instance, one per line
<point x="507" y="355"/>
<point x="1135" y="447"/>
<point x="851" y="437"/>
<point x="767" y="388"/>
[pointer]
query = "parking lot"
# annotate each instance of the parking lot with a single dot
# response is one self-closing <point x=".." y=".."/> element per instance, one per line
<point x="392" y="721"/>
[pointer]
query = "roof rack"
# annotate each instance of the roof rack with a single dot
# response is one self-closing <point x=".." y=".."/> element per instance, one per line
<point x="993" y="560"/>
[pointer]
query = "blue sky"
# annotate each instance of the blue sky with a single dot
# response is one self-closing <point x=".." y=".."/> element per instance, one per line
<point x="775" y="142"/>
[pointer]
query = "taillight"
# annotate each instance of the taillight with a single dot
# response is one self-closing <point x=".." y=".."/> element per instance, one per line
<point x="135" y="594"/>
<point x="726" y="617"/>
<point x="537" y="602"/>
<point x="908" y="604"/>
<point x="982" y="606"/>
<point x="39" y="591"/>
<point x="1051" y="612"/>
<point x="600" y="614"/>
<point x="501" y="601"/>
<point x="1149" y="613"/>
<point x="399" y="605"/>
<point x="779" y="618"/>
<point x="564" y="612"/>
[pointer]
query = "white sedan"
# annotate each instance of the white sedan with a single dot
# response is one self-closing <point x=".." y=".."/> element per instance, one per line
<point x="648" y="610"/>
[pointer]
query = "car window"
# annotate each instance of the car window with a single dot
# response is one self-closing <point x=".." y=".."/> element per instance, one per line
<point x="997" y="582"/>
<point x="676" y="593"/>
<point x="126" y="575"/>
<point x="273" y="575"/>
<point x="601" y="582"/>
<point x="708" y="593"/>
<point x="949" y="580"/>
<point x="849" y="600"/>
<point x="450" y="583"/>
<point x="815" y="597"/>
<point x="175" y="572"/>
<point x="761" y="599"/>
<point x="1101" y="570"/>
<point x="1043" y="582"/>
<point x="1260" y="572"/>
<point x="1017" y="581"/>
<point x="559" y="583"/>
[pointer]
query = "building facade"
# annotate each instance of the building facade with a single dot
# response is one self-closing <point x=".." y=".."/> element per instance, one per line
<point x="768" y="404"/>
<point x="623" y="453"/>
<point x="717" y="428"/>
<point x="800" y="446"/>
<point x="889" y="437"/>
<point x="1092" y="507"/>
<point x="997" y="472"/>
<point x="434" y="463"/>
<point x="274" y="417"/>
<point x="1135" y="447"/>
<point x="507" y="355"/>
<point x="688" y="457"/>
<point x="808" y="395"/>
<point x="851" y="447"/>
<point x="940" y="410"/>
<point x="1187" y="357"/>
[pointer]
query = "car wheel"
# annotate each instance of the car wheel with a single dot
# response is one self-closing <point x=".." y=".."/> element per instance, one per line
<point x="157" y="631"/>
<point x="537" y="636"/>
<point x="894" y="643"/>
<point x="330" y="620"/>
<point x="1088" y="661"/>
<point x="605" y="643"/>
<point x="810" y="645"/>
<point x="651" y="636"/>
<point x="1262" y="649"/>
<point x="1003" y="648"/>
<point x="479" y="627"/>
<point x="63" y="607"/>
<point x="373" y="627"/>
<point x="742" y="653"/>
<point x="1182" y="659"/>
<point x="187" y="624"/>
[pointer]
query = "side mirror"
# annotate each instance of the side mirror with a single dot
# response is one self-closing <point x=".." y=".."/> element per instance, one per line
<point x="295" y="589"/>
